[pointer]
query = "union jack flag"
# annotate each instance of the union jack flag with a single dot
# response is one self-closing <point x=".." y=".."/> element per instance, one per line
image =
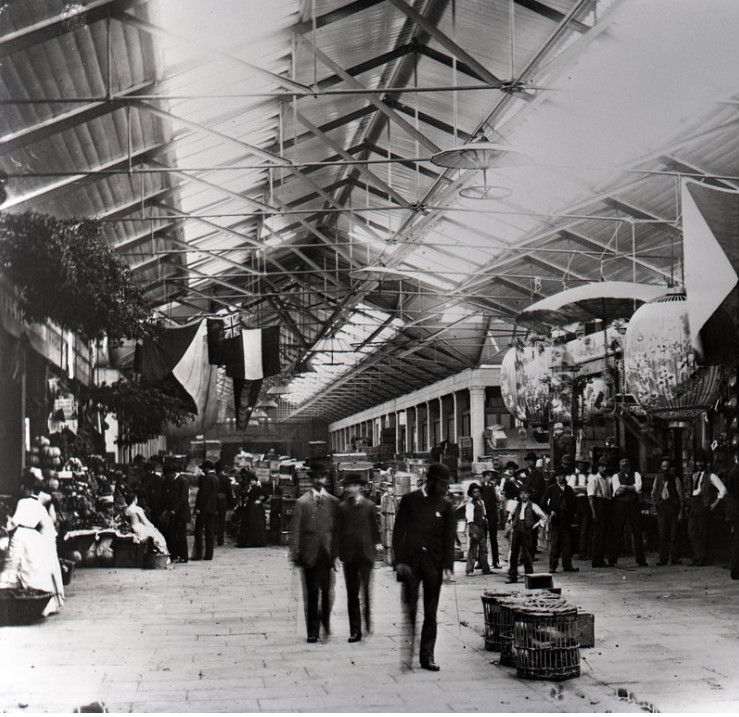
<point x="231" y="326"/>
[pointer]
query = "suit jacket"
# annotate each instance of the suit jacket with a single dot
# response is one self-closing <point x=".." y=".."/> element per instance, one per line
<point x="534" y="481"/>
<point x="207" y="498"/>
<point x="312" y="529"/>
<point x="177" y="497"/>
<point x="425" y="524"/>
<point x="355" y="530"/>
<point x="561" y="503"/>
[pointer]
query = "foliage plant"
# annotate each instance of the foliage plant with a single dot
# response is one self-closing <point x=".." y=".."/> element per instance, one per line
<point x="67" y="272"/>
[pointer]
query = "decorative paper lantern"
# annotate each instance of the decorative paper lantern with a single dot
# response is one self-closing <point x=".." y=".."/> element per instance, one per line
<point x="525" y="376"/>
<point x="661" y="368"/>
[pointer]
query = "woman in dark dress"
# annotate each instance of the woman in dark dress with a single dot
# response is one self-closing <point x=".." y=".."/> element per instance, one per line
<point x="253" y="526"/>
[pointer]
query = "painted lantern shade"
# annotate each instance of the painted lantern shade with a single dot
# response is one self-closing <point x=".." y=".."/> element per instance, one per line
<point x="525" y="375"/>
<point x="660" y="366"/>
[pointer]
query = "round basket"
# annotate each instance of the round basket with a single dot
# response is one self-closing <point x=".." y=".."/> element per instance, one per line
<point x="156" y="561"/>
<point x="491" y="610"/>
<point x="22" y="606"/>
<point x="545" y="640"/>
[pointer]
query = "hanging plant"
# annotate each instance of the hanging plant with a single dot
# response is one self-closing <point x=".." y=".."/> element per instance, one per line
<point x="142" y="410"/>
<point x="67" y="273"/>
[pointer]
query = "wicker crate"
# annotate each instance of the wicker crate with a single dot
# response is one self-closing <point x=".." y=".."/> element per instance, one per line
<point x="545" y="640"/>
<point x="492" y="611"/>
<point x="22" y="606"/>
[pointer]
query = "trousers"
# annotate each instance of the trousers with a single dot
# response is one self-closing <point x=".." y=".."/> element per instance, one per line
<point x="425" y="572"/>
<point x="205" y="527"/>
<point x="318" y="595"/>
<point x="358" y="578"/>
<point x="478" y="548"/>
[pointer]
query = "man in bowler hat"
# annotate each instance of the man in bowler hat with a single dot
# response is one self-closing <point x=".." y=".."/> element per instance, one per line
<point x="312" y="549"/>
<point x="423" y="547"/>
<point x="356" y="536"/>
<point x="206" y="512"/>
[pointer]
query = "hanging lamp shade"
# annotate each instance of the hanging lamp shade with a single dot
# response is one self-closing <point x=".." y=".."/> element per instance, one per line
<point x="525" y="377"/>
<point x="660" y="365"/>
<point x="473" y="155"/>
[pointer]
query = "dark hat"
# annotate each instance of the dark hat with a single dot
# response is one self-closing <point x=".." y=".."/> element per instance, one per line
<point x="560" y="470"/>
<point x="531" y="456"/>
<point x="511" y="465"/>
<point x="524" y="489"/>
<point x="208" y="466"/>
<point x="438" y="471"/>
<point x="602" y="461"/>
<point x="700" y="455"/>
<point x="471" y="488"/>
<point x="354" y="479"/>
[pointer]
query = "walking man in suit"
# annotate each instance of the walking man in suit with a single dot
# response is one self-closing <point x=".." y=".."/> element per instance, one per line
<point x="423" y="547"/>
<point x="312" y="550"/>
<point x="355" y="539"/>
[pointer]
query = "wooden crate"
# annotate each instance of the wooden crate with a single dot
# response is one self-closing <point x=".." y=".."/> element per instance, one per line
<point x="586" y="628"/>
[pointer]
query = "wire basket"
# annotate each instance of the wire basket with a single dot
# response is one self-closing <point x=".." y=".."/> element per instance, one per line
<point x="22" y="606"/>
<point x="546" y="641"/>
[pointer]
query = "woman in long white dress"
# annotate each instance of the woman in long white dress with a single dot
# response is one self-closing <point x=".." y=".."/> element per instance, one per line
<point x="32" y="560"/>
<point x="144" y="528"/>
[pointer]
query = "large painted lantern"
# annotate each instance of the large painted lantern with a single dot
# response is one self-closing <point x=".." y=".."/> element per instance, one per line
<point x="525" y="376"/>
<point x="661" y="368"/>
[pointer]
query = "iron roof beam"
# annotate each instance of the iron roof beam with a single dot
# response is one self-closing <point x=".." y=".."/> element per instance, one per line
<point x="191" y="42"/>
<point x="60" y="24"/>
<point x="428" y="119"/>
<point x="63" y="122"/>
<point x="447" y="60"/>
<point x="446" y="42"/>
<point x="88" y="175"/>
<point x="550" y="13"/>
<point x="584" y="240"/>
<point x="636" y="212"/>
<point x="691" y="168"/>
<point x="373" y="99"/>
<point x="323" y="137"/>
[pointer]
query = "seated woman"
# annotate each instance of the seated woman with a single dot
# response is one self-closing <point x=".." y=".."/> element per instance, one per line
<point x="143" y="527"/>
<point x="32" y="560"/>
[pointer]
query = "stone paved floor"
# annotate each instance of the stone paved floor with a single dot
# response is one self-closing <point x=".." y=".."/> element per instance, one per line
<point x="228" y="636"/>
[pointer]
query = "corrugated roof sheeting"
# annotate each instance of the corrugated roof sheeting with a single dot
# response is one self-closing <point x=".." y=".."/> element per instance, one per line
<point x="580" y="127"/>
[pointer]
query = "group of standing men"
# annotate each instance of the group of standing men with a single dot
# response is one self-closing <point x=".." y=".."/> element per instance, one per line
<point x="600" y="504"/>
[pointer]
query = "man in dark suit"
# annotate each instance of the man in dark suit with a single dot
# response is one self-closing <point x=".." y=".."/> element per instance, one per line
<point x="177" y="508"/>
<point x="312" y="549"/>
<point x="423" y="547"/>
<point x="560" y="503"/>
<point x="226" y="501"/>
<point x="355" y="540"/>
<point x="206" y="512"/>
